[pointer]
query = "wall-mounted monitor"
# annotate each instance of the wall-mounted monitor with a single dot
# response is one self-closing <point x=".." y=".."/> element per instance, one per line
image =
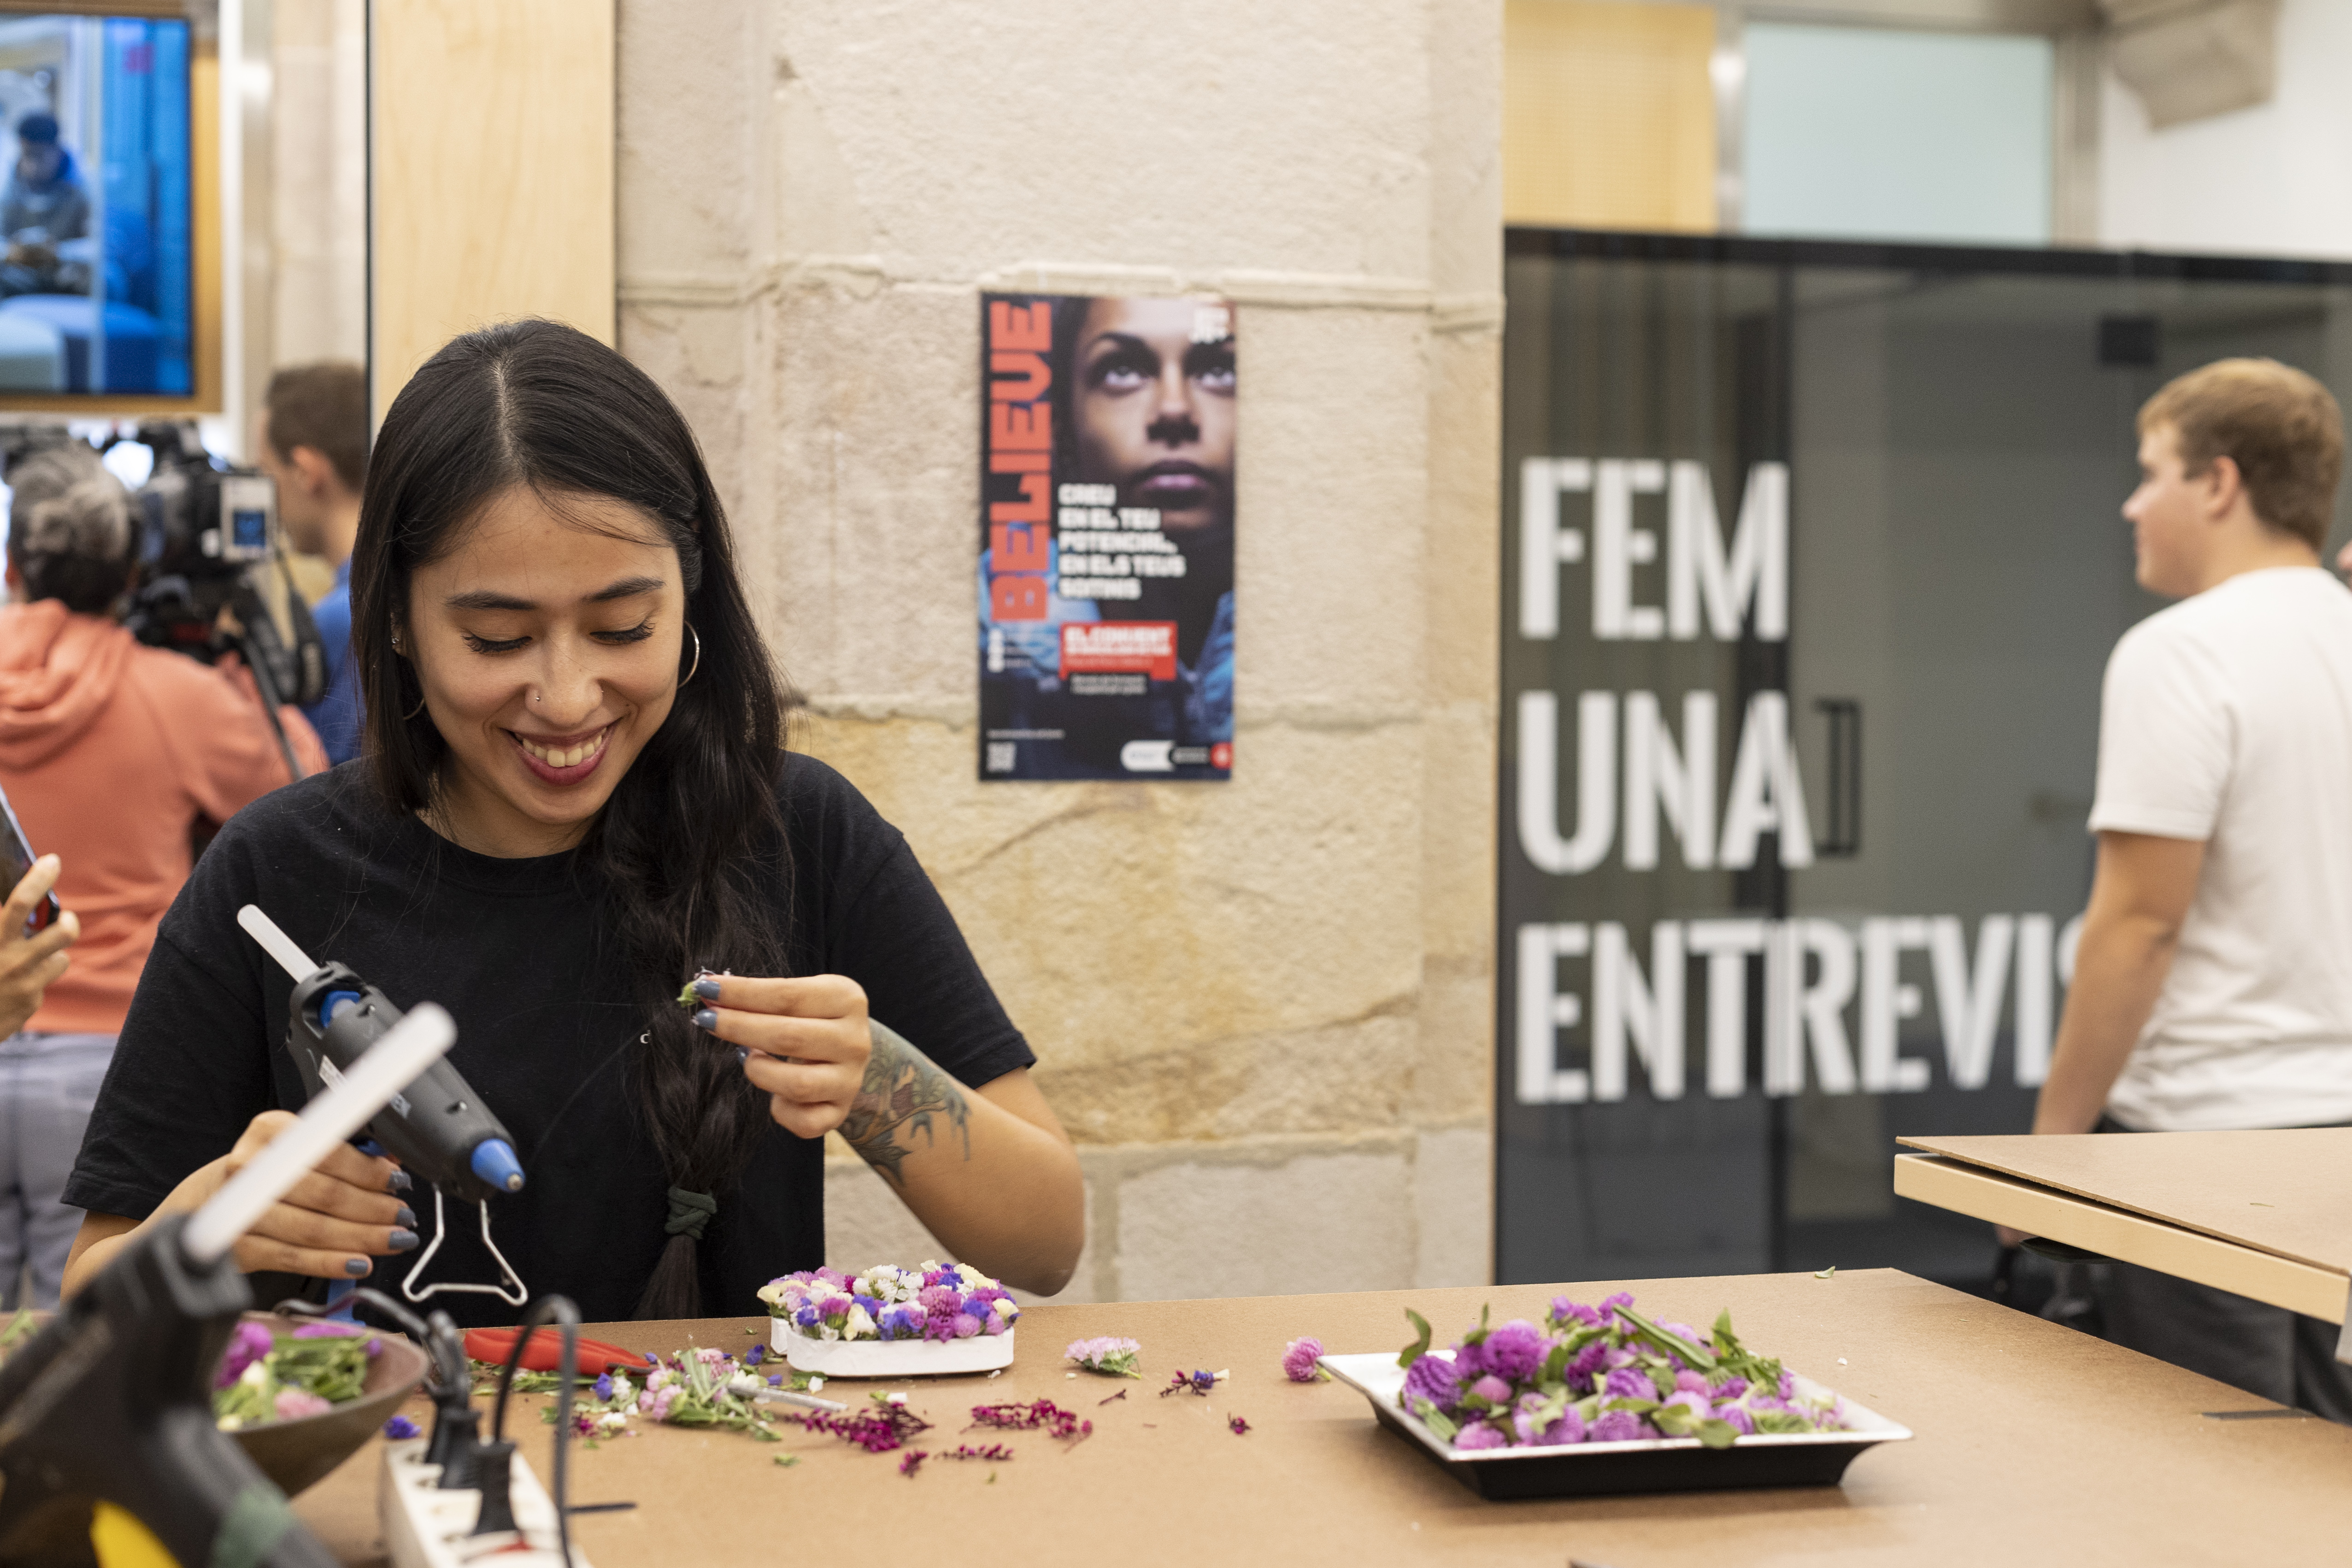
<point x="109" y="297"/>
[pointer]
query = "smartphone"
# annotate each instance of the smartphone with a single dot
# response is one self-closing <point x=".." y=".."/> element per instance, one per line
<point x="16" y="858"/>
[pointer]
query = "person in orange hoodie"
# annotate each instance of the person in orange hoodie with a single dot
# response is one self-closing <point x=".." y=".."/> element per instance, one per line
<point x="112" y="753"/>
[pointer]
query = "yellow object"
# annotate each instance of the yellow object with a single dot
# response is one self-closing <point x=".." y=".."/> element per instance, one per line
<point x="122" y="1542"/>
<point x="1608" y="115"/>
<point x="491" y="173"/>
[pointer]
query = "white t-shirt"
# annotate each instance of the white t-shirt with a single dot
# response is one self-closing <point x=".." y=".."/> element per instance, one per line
<point x="2228" y="718"/>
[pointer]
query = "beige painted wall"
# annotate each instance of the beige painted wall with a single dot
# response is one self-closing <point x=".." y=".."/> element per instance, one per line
<point x="318" y="188"/>
<point x="1264" y="1008"/>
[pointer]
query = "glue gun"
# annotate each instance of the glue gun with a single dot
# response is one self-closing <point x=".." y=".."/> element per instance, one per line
<point x="440" y="1130"/>
<point x="107" y="1433"/>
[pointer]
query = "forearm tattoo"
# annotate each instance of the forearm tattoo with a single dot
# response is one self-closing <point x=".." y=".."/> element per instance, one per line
<point x="902" y="1094"/>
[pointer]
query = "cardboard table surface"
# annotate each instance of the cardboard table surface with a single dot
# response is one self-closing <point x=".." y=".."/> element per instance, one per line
<point x="2035" y="1443"/>
<point x="2287" y="1192"/>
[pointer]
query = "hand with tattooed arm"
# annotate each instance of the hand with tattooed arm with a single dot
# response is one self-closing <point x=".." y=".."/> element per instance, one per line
<point x="988" y="1171"/>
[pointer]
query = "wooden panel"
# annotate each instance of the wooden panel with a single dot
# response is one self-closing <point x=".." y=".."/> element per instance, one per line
<point x="2035" y="1443"/>
<point x="2287" y="1192"/>
<point x="491" y="173"/>
<point x="2115" y="1233"/>
<point x="1608" y="115"/>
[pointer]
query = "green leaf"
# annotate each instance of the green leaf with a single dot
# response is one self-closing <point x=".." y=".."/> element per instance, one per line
<point x="1436" y="1420"/>
<point x="1828" y="1274"/>
<point x="1780" y="1421"/>
<point x="789" y="1460"/>
<point x="1555" y="1366"/>
<point x="1419" y="1347"/>
<point x="1699" y="1359"/>
<point x="1718" y="1434"/>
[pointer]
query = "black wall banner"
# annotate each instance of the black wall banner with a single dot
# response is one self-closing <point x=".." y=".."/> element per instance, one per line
<point x="1106" y="538"/>
<point x="1811" y="568"/>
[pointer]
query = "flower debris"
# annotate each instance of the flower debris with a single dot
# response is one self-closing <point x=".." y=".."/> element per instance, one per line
<point x="1038" y="1415"/>
<point x="1199" y="1383"/>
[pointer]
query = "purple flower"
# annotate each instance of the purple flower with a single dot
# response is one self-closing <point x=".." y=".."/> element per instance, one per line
<point x="1203" y="1382"/>
<point x="1478" y="1434"/>
<point x="807" y="1318"/>
<point x="755" y="1356"/>
<point x="399" y="1429"/>
<point x="966" y="1325"/>
<point x="605" y="1387"/>
<point x="1688" y="1382"/>
<point x="1298" y="1359"/>
<point x="1583" y="1364"/>
<point x="868" y="1302"/>
<point x="1630" y="1382"/>
<point x="1493" y="1390"/>
<point x="1619" y="1427"/>
<point x="834" y="1307"/>
<point x="994" y="1325"/>
<point x="1515" y="1351"/>
<point x="1562" y="1308"/>
<point x="1569" y="1429"/>
<point x="248" y="1343"/>
<point x="1739" y="1418"/>
<point x="1621" y="1299"/>
<point x="1731" y="1388"/>
<point x="1788" y="1385"/>
<point x="1433" y="1377"/>
<point x="934" y="1297"/>
<point x="1694" y="1403"/>
<point x="777" y="1381"/>
<point x="322" y="1329"/>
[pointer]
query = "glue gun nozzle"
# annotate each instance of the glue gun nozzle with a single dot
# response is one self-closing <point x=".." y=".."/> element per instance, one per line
<point x="494" y="1161"/>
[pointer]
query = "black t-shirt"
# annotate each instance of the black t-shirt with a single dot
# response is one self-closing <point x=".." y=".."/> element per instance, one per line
<point x="545" y="1026"/>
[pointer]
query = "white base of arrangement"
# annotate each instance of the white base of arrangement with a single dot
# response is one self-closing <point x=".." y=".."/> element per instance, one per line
<point x="891" y="1358"/>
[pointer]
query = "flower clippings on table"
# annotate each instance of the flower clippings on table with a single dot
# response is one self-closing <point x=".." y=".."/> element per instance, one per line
<point x="1240" y="1427"/>
<point x="1601" y="1374"/>
<point x="1037" y="1415"/>
<point x="886" y="1425"/>
<point x="1110" y="1358"/>
<point x="1199" y="1383"/>
<point x="1301" y="1362"/>
<point x="929" y="1301"/>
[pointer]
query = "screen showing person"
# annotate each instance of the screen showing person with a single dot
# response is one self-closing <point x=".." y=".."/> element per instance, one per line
<point x="97" y="276"/>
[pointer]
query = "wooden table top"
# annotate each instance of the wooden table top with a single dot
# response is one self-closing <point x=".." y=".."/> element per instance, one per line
<point x="2033" y="1442"/>
<point x="2287" y="1192"/>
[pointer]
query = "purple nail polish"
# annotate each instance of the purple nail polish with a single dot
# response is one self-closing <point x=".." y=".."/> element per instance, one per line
<point x="356" y="1267"/>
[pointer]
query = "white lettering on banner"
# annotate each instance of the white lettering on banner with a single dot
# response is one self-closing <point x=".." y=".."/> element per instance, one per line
<point x="1813" y="975"/>
<point x="1751" y="575"/>
<point x="1544" y="544"/>
<point x="1618" y="546"/>
<point x="1650" y="1013"/>
<point x="1544" y="1010"/>
<point x="1658" y="774"/>
<point x="1969" y="1005"/>
<point x="1727" y="944"/>
<point x="1757" y="571"/>
<point x="1767" y="794"/>
<point x="1596" y="781"/>
<point x="2033" y="964"/>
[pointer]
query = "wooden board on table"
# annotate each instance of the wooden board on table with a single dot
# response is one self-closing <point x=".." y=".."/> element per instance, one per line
<point x="2032" y="1442"/>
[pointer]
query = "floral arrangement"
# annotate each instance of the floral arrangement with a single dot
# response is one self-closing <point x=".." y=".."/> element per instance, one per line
<point x="1601" y="1374"/>
<point x="264" y="1378"/>
<point x="929" y="1302"/>
<point x="1111" y="1357"/>
<point x="694" y="1387"/>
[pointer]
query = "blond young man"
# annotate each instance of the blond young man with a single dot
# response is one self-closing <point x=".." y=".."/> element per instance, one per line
<point x="2213" y="984"/>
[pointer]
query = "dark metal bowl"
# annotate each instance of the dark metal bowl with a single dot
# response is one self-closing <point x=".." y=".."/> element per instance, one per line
<point x="298" y="1453"/>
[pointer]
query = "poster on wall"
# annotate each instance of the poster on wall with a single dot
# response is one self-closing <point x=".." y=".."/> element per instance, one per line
<point x="1106" y="579"/>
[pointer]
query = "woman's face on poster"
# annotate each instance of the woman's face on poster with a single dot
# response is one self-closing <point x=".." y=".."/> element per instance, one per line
<point x="1155" y="410"/>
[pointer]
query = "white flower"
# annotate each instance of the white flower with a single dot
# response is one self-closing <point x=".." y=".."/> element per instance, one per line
<point x="859" y="1325"/>
<point x="898" y="1399"/>
<point x="828" y="1332"/>
<point x="745" y="1383"/>
<point x="612" y="1421"/>
<point x="621" y="1385"/>
<point x="255" y="1376"/>
<point x="815" y="1384"/>
<point x="1003" y="1307"/>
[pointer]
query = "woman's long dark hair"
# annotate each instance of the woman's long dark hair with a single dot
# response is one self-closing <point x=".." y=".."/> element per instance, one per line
<point x="688" y="853"/>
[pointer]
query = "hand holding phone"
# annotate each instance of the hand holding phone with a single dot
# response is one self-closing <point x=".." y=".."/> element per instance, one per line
<point x="31" y="960"/>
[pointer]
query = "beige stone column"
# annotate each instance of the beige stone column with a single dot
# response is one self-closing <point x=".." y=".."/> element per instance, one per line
<point x="1265" y="1008"/>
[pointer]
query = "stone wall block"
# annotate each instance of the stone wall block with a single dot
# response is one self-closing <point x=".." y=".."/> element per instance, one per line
<point x="1341" y="1222"/>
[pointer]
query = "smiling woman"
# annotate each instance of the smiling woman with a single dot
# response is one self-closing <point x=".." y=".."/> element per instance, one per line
<point x="575" y="798"/>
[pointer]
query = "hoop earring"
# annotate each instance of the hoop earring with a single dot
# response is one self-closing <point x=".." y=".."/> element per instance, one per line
<point x="697" y="655"/>
<point x="412" y="713"/>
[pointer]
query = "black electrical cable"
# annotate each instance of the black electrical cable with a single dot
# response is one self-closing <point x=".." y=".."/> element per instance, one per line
<point x="567" y="1367"/>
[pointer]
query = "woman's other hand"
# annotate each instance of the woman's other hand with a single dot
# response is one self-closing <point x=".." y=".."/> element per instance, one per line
<point x="30" y="964"/>
<point x="347" y="1211"/>
<point x="803" y="1041"/>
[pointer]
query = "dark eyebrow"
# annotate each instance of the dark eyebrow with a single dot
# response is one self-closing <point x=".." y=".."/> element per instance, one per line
<point x="484" y="599"/>
<point x="1126" y="342"/>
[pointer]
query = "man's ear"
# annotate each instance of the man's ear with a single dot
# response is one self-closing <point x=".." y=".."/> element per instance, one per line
<point x="314" y="469"/>
<point x="2225" y="487"/>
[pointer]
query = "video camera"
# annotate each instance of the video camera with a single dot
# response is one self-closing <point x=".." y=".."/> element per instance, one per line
<point x="205" y="535"/>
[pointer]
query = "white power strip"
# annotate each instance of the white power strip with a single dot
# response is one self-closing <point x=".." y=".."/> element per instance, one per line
<point x="424" y="1527"/>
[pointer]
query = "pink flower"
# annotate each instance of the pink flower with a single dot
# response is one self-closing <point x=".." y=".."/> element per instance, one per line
<point x="1299" y="1360"/>
<point x="1478" y="1434"/>
<point x="1492" y="1389"/>
<point x="293" y="1404"/>
<point x="248" y="1343"/>
<point x="1690" y="1382"/>
<point x="966" y="1325"/>
<point x="329" y="1331"/>
<point x="994" y="1325"/>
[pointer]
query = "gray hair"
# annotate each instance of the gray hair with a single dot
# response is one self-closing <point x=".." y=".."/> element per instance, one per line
<point x="70" y="527"/>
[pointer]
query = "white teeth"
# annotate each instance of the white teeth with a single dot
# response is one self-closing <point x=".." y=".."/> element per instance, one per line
<point x="571" y="756"/>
